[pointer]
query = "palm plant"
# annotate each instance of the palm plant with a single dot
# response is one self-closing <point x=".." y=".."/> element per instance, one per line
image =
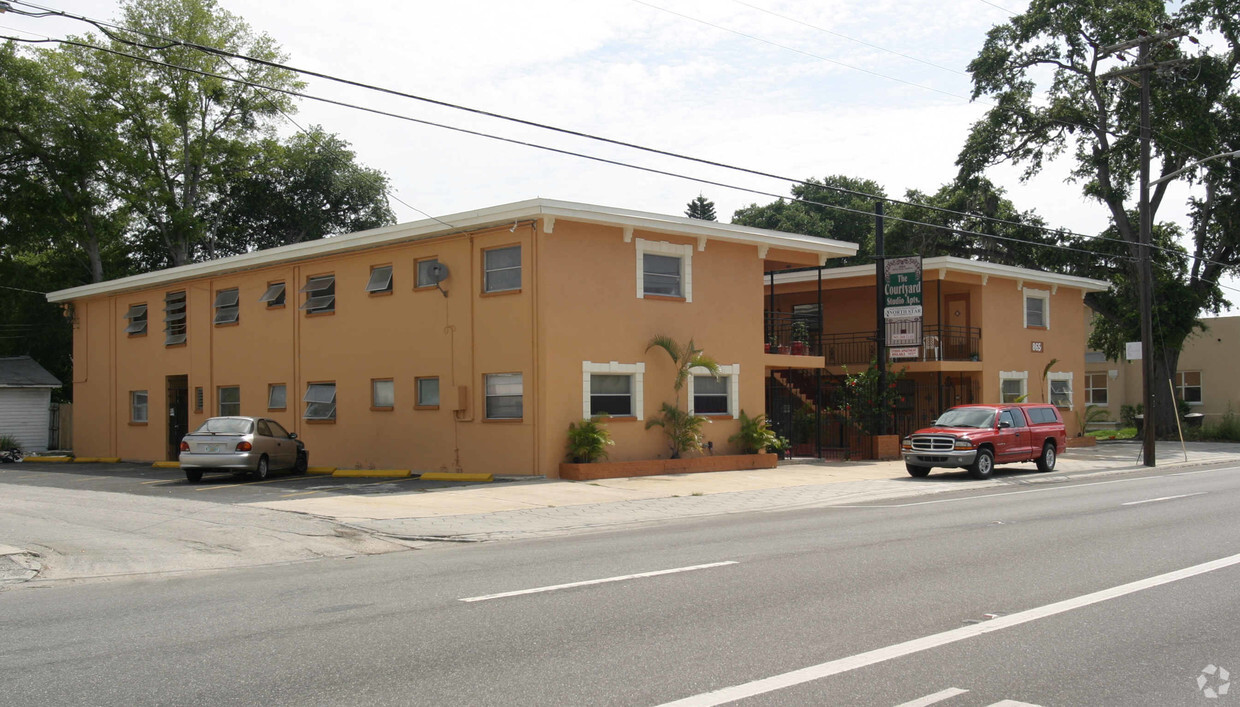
<point x="755" y="436"/>
<point x="588" y="440"/>
<point x="683" y="430"/>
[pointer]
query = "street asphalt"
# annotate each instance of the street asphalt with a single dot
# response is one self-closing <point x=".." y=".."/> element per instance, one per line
<point x="63" y="522"/>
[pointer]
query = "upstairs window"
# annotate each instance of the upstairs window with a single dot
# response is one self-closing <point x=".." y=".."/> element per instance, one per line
<point x="504" y="396"/>
<point x="1037" y="309"/>
<point x="501" y="269"/>
<point x="661" y="275"/>
<point x="1096" y="388"/>
<point x="426" y="273"/>
<point x="137" y="320"/>
<point x="664" y="270"/>
<point x="320" y="401"/>
<point x="229" y="399"/>
<point x="382" y="394"/>
<point x="277" y="396"/>
<point x="273" y="295"/>
<point x="226" y="306"/>
<point x="380" y="280"/>
<point x="320" y="292"/>
<point x="174" y="318"/>
<point x="427" y="393"/>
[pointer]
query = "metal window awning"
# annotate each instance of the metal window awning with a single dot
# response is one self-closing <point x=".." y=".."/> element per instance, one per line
<point x="380" y="279"/>
<point x="273" y="293"/>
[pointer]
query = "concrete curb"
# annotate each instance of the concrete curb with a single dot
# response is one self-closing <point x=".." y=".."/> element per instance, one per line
<point x="444" y="476"/>
<point x="372" y="473"/>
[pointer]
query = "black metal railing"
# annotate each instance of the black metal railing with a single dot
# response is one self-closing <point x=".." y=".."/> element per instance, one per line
<point x="937" y="343"/>
<point x="788" y="333"/>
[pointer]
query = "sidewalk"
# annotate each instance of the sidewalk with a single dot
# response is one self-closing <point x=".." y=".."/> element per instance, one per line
<point x="536" y="506"/>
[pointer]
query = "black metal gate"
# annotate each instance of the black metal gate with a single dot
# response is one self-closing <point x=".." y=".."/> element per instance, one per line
<point x="53" y="426"/>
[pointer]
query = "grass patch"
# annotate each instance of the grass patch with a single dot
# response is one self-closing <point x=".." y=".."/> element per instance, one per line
<point x="1121" y="433"/>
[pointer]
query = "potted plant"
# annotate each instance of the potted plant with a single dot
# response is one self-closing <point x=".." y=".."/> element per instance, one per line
<point x="800" y="338"/>
<point x="588" y="440"/>
<point x="770" y="343"/>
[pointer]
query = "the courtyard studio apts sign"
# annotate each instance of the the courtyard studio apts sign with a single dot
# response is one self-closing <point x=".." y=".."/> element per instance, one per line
<point x="902" y="303"/>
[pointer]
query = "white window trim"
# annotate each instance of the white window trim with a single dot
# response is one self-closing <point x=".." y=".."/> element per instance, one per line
<point x="684" y="252"/>
<point x="733" y="372"/>
<point x="1053" y="377"/>
<point x="636" y="370"/>
<point x="1022" y="376"/>
<point x="1089" y="389"/>
<point x="1179" y="388"/>
<point x="1045" y="296"/>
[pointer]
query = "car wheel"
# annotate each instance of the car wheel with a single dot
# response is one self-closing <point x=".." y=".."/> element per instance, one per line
<point x="302" y="463"/>
<point x="1046" y="462"/>
<point x="983" y="466"/>
<point x="193" y="475"/>
<point x="918" y="471"/>
<point x="261" y="472"/>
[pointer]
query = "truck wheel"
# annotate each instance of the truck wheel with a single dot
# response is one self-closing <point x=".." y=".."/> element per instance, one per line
<point x="918" y="471"/>
<point x="983" y="466"/>
<point x="1046" y="462"/>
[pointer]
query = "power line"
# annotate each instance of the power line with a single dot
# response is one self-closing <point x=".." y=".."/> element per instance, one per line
<point x="100" y="24"/>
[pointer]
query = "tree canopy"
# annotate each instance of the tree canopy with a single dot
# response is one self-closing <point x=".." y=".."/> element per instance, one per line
<point x="147" y="156"/>
<point x="1045" y="71"/>
<point x="701" y="208"/>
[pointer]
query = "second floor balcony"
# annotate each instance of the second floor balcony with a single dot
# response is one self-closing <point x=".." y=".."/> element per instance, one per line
<point x="787" y="333"/>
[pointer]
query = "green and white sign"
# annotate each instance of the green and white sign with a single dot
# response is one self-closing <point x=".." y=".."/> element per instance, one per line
<point x="902" y="301"/>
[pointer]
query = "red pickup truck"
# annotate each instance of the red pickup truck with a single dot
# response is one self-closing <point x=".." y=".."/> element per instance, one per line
<point x="977" y="437"/>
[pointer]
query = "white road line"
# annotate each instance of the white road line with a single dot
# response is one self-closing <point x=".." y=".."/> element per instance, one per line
<point x="936" y="697"/>
<point x="1012" y="703"/>
<point x="1203" y="471"/>
<point x="1163" y="498"/>
<point x="588" y="582"/>
<point x="899" y="650"/>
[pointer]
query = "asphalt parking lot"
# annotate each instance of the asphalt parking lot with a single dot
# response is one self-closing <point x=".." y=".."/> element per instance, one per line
<point x="145" y="480"/>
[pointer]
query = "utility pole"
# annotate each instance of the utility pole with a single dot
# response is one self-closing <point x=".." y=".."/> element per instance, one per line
<point x="1145" y="276"/>
<point x="880" y="330"/>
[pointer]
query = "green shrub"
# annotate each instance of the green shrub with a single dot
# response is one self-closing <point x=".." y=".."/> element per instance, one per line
<point x="1225" y="430"/>
<point x="1128" y="414"/>
<point x="684" y="431"/>
<point x="7" y="442"/>
<point x="754" y="436"/>
<point x="588" y="440"/>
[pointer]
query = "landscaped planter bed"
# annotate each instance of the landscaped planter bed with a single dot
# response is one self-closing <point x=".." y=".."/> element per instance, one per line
<point x="655" y="467"/>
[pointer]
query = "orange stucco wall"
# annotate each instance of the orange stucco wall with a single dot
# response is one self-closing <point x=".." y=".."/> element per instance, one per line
<point x="577" y="303"/>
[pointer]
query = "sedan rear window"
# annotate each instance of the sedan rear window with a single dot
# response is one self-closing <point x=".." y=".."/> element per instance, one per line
<point x="225" y="426"/>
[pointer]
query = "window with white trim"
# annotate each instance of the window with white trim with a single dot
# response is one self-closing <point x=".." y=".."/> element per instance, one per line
<point x="227" y="309"/>
<point x="380" y="279"/>
<point x="1095" y="389"/>
<point x="320" y="292"/>
<point x="1037" y="308"/>
<point x="664" y="269"/>
<point x="1013" y="386"/>
<point x="613" y="388"/>
<point x="138" y="406"/>
<point x="1188" y="386"/>
<point x="504" y="396"/>
<point x="174" y="318"/>
<point x="137" y="320"/>
<point x="710" y="395"/>
<point x="229" y="398"/>
<point x="501" y="269"/>
<point x="320" y="401"/>
<point x="273" y="296"/>
<point x="1059" y="389"/>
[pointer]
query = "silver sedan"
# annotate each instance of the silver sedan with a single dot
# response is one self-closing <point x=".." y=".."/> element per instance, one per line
<point x="255" y="445"/>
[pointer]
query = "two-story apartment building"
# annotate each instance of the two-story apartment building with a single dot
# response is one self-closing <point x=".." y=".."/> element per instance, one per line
<point x="989" y="333"/>
<point x="467" y="342"/>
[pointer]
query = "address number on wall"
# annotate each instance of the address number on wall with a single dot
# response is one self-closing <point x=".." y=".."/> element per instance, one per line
<point x="1037" y="347"/>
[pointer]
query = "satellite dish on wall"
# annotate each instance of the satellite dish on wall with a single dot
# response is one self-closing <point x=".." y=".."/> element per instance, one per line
<point x="438" y="273"/>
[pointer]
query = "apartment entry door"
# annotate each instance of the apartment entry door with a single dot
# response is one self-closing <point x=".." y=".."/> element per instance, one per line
<point x="178" y="414"/>
<point x="956" y="332"/>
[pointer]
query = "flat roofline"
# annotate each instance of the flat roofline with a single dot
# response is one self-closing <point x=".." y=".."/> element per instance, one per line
<point x="952" y="263"/>
<point x="470" y="221"/>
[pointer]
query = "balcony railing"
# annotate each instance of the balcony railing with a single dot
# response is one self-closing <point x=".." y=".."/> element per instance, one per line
<point x="781" y="331"/>
<point x="938" y="343"/>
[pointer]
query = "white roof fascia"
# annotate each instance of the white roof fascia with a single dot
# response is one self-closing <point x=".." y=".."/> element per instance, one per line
<point x="464" y="221"/>
<point x="955" y="264"/>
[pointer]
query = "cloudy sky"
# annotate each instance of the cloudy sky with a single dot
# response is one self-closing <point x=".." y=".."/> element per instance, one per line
<point x="799" y="88"/>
